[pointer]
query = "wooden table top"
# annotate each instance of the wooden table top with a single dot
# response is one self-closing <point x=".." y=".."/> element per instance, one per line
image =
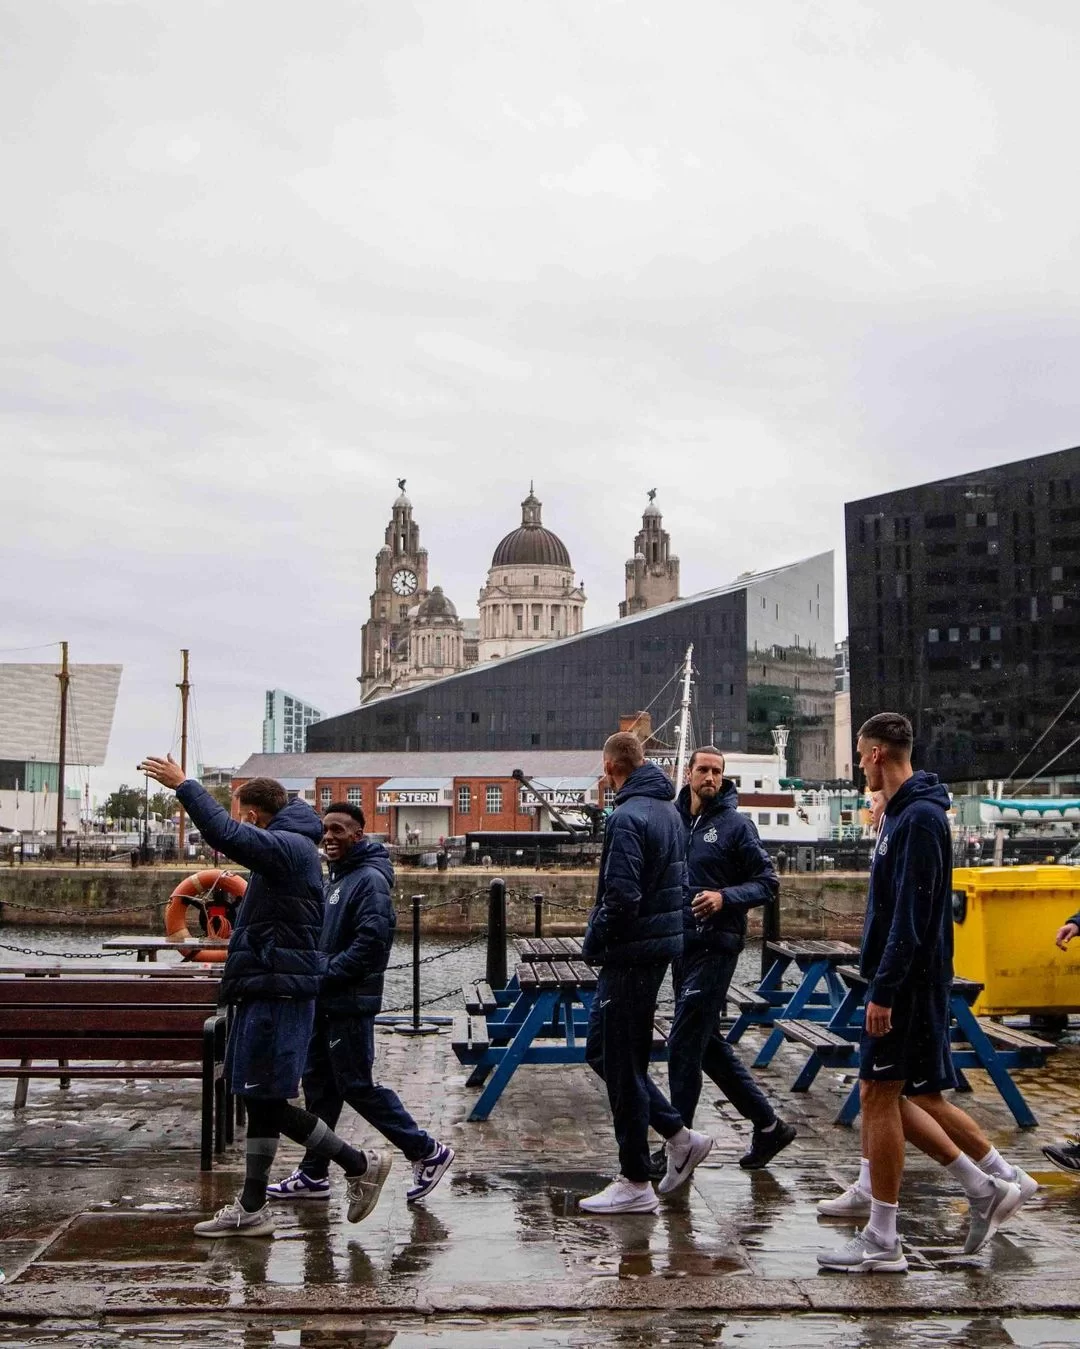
<point x="833" y="951"/>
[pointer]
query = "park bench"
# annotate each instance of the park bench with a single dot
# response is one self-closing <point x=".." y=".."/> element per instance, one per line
<point x="116" y="1027"/>
<point x="747" y="1000"/>
<point x="478" y="998"/>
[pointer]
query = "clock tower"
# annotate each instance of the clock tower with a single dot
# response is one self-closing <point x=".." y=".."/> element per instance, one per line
<point x="401" y="582"/>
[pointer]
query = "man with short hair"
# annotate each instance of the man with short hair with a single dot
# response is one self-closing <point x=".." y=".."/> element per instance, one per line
<point x="634" y="931"/>
<point x="729" y="873"/>
<point x="905" y="1062"/>
<point x="356" y="940"/>
<point x="271" y="978"/>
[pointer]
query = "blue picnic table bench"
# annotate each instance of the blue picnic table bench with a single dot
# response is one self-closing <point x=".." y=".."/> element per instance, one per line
<point x="541" y="1016"/>
<point x="977" y="1043"/>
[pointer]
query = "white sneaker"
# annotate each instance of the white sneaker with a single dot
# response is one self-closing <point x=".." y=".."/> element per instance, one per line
<point x="235" y="1221"/>
<point x="1028" y="1184"/>
<point x="682" y="1158"/>
<point x="863" y="1255"/>
<point x="853" y="1203"/>
<point x="363" y="1191"/>
<point x="621" y="1196"/>
<point x="988" y="1215"/>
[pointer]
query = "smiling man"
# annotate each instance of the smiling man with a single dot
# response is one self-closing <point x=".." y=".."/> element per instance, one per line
<point x="905" y="1062"/>
<point x="356" y="940"/>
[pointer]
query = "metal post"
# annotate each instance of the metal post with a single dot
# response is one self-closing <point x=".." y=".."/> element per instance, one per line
<point x="496" y="934"/>
<point x="770" y="931"/>
<point x="538" y="918"/>
<point x="78" y="846"/>
<point x="185" y="688"/>
<point x="416" y="1026"/>
<point x="65" y="679"/>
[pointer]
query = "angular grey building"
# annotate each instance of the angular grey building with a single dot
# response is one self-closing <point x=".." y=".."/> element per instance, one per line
<point x="763" y="656"/>
<point x="964" y="613"/>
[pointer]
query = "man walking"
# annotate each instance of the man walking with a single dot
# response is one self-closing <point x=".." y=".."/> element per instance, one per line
<point x="1065" y="1155"/>
<point x="271" y="977"/>
<point x="904" y="1057"/>
<point x="634" y="931"/>
<point x="357" y="936"/>
<point x="729" y="873"/>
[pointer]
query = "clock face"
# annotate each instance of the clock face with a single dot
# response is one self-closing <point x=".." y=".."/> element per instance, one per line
<point x="403" y="582"/>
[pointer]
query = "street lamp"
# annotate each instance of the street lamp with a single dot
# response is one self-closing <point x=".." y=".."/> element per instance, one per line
<point x="146" y="817"/>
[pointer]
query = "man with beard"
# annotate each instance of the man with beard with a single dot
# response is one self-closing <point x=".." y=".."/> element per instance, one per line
<point x="729" y="873"/>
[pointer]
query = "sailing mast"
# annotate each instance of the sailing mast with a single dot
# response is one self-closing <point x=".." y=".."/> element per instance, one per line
<point x="684" y="720"/>
<point x="65" y="679"/>
<point x="185" y="688"/>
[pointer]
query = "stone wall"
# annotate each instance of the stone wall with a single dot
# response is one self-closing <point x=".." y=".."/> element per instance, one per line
<point x="455" y="901"/>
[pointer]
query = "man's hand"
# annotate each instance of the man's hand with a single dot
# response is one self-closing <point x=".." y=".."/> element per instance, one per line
<point x="878" y="1020"/>
<point x="705" y="903"/>
<point x="166" y="771"/>
<point x="1066" y="934"/>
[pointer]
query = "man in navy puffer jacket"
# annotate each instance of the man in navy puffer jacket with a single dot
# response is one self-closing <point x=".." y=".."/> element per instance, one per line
<point x="271" y="978"/>
<point x="729" y="873"/>
<point x="634" y="931"/>
<point x="357" y="936"/>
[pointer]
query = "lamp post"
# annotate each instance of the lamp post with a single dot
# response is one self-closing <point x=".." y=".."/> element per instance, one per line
<point x="146" y="817"/>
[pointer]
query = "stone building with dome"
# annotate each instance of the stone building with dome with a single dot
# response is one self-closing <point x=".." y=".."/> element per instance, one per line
<point x="530" y="596"/>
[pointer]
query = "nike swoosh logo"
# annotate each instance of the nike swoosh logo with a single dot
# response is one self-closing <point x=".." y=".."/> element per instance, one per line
<point x="680" y="1169"/>
<point x="335" y="1042"/>
<point x="881" y="1067"/>
<point x="922" y="1083"/>
<point x="605" y="1002"/>
<point x="248" y="1085"/>
<point x="690" y="992"/>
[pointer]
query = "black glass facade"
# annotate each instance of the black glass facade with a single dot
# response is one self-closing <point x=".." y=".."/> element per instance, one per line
<point x="964" y="613"/>
<point x="763" y="654"/>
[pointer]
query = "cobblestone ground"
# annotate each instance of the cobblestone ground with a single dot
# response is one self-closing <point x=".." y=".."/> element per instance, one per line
<point x="99" y="1186"/>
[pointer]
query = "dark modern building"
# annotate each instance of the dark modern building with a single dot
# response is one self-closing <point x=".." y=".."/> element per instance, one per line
<point x="964" y="613"/>
<point x="763" y="657"/>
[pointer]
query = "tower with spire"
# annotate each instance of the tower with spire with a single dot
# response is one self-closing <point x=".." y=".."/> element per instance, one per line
<point x="652" y="574"/>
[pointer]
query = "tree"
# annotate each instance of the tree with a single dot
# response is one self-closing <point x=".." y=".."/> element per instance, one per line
<point x="126" y="803"/>
<point x="164" y="805"/>
<point x="222" y="795"/>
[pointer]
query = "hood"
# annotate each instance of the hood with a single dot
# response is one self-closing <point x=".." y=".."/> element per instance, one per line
<point x="298" y="818"/>
<point x="366" y="853"/>
<point x="646" y="780"/>
<point x="727" y="798"/>
<point x="919" y="787"/>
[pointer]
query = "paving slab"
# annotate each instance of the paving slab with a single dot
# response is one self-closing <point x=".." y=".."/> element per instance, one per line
<point x="100" y="1188"/>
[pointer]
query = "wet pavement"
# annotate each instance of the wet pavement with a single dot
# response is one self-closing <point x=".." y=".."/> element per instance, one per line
<point x="99" y="1188"/>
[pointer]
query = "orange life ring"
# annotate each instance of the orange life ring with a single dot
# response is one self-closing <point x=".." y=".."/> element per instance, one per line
<point x="214" y="894"/>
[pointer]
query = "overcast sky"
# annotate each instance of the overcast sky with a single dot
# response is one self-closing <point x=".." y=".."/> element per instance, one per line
<point x="259" y="260"/>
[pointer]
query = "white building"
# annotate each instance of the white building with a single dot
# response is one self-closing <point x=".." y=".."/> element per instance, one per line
<point x="286" y="722"/>
<point x="531" y="596"/>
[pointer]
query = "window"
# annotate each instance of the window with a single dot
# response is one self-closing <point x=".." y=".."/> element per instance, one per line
<point x="354" y="796"/>
<point x="758" y="784"/>
<point x="933" y="635"/>
<point x="536" y="622"/>
<point x="609" y="797"/>
<point x="1056" y="574"/>
<point x="474" y="717"/>
<point x="764" y="817"/>
<point x="493" y="799"/>
<point x="995" y="632"/>
<point x="464" y="799"/>
<point x="1057" y="603"/>
<point x="973" y="634"/>
<point x="954" y="634"/>
<point x="782" y="818"/>
<point x="536" y="582"/>
<point x="325" y="797"/>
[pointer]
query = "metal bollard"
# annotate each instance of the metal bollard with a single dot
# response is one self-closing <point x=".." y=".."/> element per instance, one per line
<point x="538" y="915"/>
<point x="496" y="934"/>
<point x="770" y="931"/>
<point x="416" y="1026"/>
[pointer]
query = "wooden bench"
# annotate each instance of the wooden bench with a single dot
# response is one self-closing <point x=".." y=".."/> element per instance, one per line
<point x="478" y="998"/>
<point x="469" y="1037"/>
<point x="746" y="999"/>
<point x="1008" y="1037"/>
<point x="113" y="1027"/>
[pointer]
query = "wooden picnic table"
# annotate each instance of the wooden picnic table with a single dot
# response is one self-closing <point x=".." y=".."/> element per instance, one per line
<point x="817" y="996"/>
<point x="185" y="969"/>
<point x="147" y="948"/>
<point x="977" y="1042"/>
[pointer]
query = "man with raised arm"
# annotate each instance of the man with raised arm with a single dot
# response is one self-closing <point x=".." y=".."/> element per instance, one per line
<point x="634" y="931"/>
<point x="271" y="979"/>
<point x="905" y="1062"/>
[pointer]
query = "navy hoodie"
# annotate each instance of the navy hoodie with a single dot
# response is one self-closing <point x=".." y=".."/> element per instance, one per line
<point x="273" y="951"/>
<point x="357" y="931"/>
<point x="907" y="942"/>
<point x="724" y="852"/>
<point x="637" y="918"/>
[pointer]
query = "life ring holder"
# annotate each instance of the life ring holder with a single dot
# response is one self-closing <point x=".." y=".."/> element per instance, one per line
<point x="214" y="895"/>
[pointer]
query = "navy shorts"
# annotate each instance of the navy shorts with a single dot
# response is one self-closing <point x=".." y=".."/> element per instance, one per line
<point x="268" y="1045"/>
<point x="916" y="1050"/>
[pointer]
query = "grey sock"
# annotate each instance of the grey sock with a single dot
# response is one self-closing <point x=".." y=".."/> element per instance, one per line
<point x="259" y="1154"/>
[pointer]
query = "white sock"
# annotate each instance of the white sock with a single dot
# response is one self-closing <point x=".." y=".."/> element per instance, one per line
<point x="882" y="1224"/>
<point x="863" y="1183"/>
<point x="636" y="1184"/>
<point x="994" y="1164"/>
<point x="976" y="1184"/>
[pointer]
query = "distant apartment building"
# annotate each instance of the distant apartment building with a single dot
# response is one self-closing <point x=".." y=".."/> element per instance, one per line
<point x="286" y="723"/>
<point x="964" y="609"/>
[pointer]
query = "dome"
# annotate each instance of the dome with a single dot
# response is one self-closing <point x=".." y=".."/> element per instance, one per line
<point x="531" y="544"/>
<point x="652" y="508"/>
<point x="434" y="607"/>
